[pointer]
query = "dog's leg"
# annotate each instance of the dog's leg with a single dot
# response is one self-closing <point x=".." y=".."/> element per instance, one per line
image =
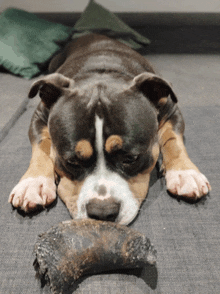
<point x="37" y="186"/>
<point x="182" y="176"/>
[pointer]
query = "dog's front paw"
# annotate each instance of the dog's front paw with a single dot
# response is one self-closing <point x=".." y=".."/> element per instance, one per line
<point x="30" y="193"/>
<point x="187" y="183"/>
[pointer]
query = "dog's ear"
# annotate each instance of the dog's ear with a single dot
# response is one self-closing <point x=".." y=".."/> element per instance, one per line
<point x="154" y="87"/>
<point x="50" y="88"/>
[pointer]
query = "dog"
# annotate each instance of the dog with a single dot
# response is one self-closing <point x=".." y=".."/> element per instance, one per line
<point x="104" y="118"/>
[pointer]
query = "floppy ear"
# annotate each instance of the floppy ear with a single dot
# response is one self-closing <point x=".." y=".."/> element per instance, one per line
<point x="50" y="88"/>
<point x="159" y="92"/>
<point x="154" y="87"/>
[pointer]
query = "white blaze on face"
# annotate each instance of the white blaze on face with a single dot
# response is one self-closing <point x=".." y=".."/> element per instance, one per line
<point x="101" y="168"/>
<point x="117" y="188"/>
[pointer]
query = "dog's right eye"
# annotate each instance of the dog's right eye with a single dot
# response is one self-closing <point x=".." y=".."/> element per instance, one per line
<point x="73" y="163"/>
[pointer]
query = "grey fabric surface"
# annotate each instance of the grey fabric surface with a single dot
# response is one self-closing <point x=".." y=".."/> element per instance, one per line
<point x="186" y="236"/>
<point x="13" y="92"/>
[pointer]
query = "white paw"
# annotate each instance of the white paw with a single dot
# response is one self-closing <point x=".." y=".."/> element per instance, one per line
<point x="29" y="193"/>
<point x="187" y="183"/>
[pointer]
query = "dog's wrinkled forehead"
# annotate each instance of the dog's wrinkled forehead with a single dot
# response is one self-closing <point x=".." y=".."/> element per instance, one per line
<point x="74" y="113"/>
<point x="132" y="120"/>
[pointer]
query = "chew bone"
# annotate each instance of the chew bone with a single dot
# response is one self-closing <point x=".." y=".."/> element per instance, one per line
<point x="76" y="248"/>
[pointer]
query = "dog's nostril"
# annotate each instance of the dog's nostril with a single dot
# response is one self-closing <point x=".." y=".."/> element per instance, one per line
<point x="111" y="217"/>
<point x="93" y="216"/>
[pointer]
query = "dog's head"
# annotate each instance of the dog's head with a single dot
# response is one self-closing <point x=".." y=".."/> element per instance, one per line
<point x="104" y="138"/>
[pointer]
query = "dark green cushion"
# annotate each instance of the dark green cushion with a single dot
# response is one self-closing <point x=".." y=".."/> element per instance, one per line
<point x="97" y="19"/>
<point x="27" y="41"/>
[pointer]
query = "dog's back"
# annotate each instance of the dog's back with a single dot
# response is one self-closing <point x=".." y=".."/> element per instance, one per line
<point x="98" y="54"/>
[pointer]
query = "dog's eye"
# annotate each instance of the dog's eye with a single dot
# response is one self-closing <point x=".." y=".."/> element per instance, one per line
<point x="73" y="163"/>
<point x="129" y="159"/>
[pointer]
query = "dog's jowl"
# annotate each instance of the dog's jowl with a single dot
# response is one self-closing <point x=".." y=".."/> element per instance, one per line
<point x="103" y="119"/>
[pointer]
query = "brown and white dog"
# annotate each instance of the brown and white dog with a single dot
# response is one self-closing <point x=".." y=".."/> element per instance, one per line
<point x="103" y="119"/>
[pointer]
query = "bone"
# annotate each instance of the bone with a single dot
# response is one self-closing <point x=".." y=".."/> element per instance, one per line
<point x="76" y="248"/>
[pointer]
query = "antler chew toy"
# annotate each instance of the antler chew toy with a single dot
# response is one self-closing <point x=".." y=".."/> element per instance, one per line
<point x="76" y="248"/>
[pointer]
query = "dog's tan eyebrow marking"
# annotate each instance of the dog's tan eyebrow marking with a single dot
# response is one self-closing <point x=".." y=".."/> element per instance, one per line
<point x="113" y="143"/>
<point x="83" y="149"/>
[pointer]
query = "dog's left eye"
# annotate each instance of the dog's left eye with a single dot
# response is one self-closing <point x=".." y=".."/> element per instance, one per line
<point x="129" y="159"/>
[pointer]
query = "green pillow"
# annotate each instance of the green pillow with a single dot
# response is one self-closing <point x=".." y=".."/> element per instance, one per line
<point x="27" y="42"/>
<point x="97" y="19"/>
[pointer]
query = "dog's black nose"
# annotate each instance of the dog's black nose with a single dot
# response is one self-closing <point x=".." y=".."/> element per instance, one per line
<point x="106" y="210"/>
